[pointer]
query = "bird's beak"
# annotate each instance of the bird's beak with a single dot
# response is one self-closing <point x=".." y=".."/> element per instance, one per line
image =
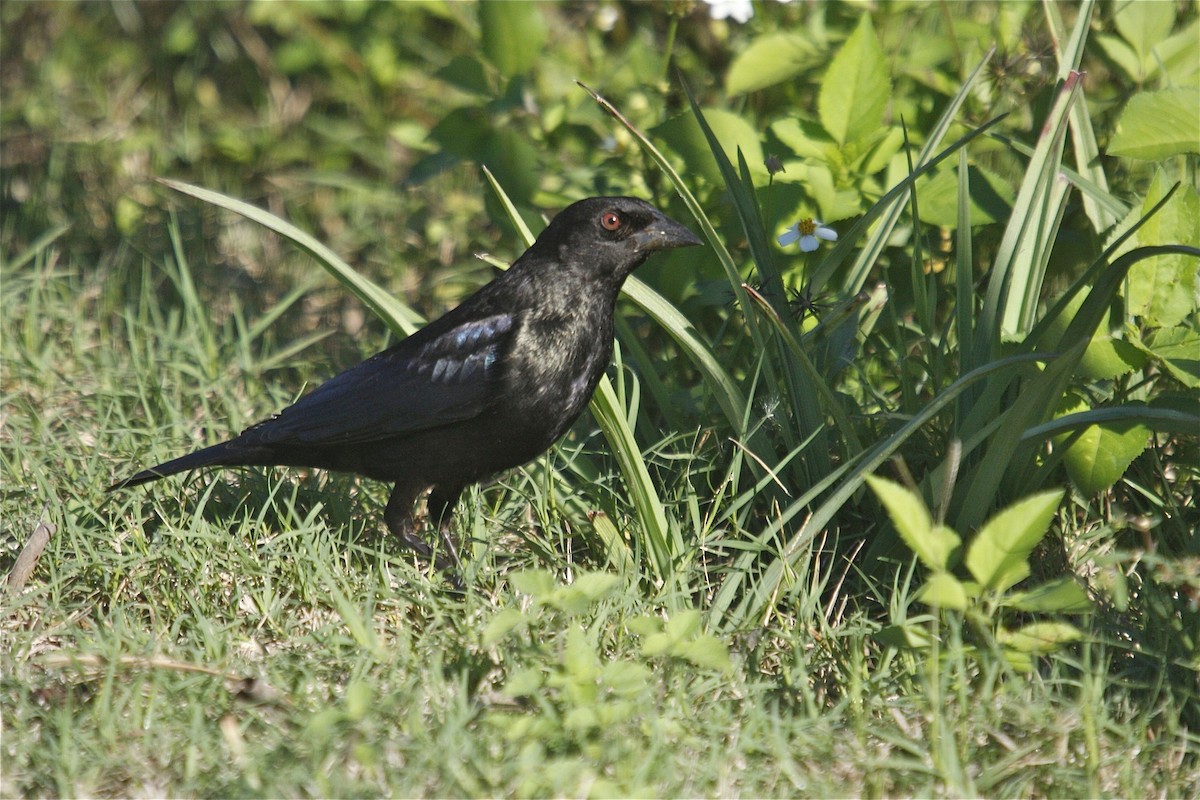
<point x="664" y="233"/>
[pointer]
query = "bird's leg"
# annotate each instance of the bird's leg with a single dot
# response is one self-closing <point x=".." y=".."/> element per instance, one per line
<point x="398" y="516"/>
<point x="441" y="504"/>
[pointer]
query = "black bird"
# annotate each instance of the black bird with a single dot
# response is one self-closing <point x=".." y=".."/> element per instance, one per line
<point x="487" y="387"/>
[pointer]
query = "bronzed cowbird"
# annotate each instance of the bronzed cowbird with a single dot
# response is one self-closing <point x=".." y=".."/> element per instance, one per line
<point x="489" y="386"/>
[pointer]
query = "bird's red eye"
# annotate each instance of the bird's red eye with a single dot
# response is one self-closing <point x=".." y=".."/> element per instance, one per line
<point x="611" y="220"/>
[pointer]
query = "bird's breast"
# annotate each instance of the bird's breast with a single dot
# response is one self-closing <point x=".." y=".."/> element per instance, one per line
<point x="554" y="366"/>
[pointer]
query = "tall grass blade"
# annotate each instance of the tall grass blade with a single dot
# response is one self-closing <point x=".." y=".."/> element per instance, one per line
<point x="755" y="601"/>
<point x="1083" y="138"/>
<point x="1019" y="267"/>
<point x="395" y="314"/>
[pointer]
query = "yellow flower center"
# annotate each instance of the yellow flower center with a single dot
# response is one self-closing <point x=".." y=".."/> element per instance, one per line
<point x="806" y="227"/>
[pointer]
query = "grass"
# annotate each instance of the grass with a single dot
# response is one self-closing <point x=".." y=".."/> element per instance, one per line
<point x="694" y="593"/>
<point x="252" y="633"/>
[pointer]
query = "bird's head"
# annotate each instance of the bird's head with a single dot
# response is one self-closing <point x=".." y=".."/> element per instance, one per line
<point x="612" y="235"/>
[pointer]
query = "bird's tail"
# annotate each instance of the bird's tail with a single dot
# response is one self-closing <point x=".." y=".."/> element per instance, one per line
<point x="216" y="455"/>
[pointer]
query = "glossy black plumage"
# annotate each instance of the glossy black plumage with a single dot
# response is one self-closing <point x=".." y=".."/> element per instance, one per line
<point x="489" y="386"/>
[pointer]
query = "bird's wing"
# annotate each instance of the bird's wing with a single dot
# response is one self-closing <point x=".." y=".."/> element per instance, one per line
<point x="422" y="383"/>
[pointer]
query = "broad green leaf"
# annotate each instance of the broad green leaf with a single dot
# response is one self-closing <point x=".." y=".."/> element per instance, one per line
<point x="1063" y="596"/>
<point x="1040" y="637"/>
<point x="1144" y="26"/>
<point x="537" y="583"/>
<point x="625" y="677"/>
<point x="683" y="624"/>
<point x="907" y="635"/>
<point x="935" y="545"/>
<point x="1177" y="54"/>
<point x="1105" y="356"/>
<point x="807" y="140"/>
<point x="594" y="585"/>
<point x="991" y="197"/>
<point x="1158" y="125"/>
<point x="855" y="90"/>
<point x="1097" y="457"/>
<point x="645" y="625"/>
<point x="580" y="595"/>
<point x="771" y="59"/>
<point x="683" y="135"/>
<point x="1120" y="53"/>
<point x="707" y="652"/>
<point x="1163" y="290"/>
<point x="943" y="590"/>
<point x="512" y="34"/>
<point x="1017" y="660"/>
<point x="999" y="555"/>
<point x="512" y="159"/>
<point x="1177" y="349"/>
<point x="525" y="683"/>
<point x="501" y="625"/>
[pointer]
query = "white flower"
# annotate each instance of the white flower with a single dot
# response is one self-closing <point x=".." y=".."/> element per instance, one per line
<point x="808" y="231"/>
<point x="737" y="10"/>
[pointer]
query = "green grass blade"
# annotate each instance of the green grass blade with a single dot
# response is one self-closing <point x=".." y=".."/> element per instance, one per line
<point x="799" y="384"/>
<point x="610" y="416"/>
<point x="1165" y="420"/>
<point x="964" y="271"/>
<point x="398" y="316"/>
<point x="1020" y="262"/>
<point x="1083" y="137"/>
<point x="756" y="600"/>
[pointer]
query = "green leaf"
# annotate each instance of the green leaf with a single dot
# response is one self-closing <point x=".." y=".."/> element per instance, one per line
<point x="683" y="135"/>
<point x="1144" y="26"/>
<point x="907" y="635"/>
<point x="582" y="594"/>
<point x="626" y="677"/>
<point x="1107" y="357"/>
<point x="512" y="34"/>
<point x="1163" y="290"/>
<point x="645" y="625"/>
<point x="683" y="624"/>
<point x="501" y="625"/>
<point x="1158" y="125"/>
<point x="771" y="59"/>
<point x="537" y="583"/>
<point x="707" y="652"/>
<point x="991" y="197"/>
<point x="999" y="555"/>
<point x="595" y="585"/>
<point x="512" y="159"/>
<point x="935" y="545"/>
<point x="807" y="140"/>
<point x="1099" y="455"/>
<point x="943" y="590"/>
<point x="1040" y="637"/>
<point x="525" y="683"/>
<point x="855" y="90"/>
<point x="1177" y="349"/>
<point x="1063" y="596"/>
